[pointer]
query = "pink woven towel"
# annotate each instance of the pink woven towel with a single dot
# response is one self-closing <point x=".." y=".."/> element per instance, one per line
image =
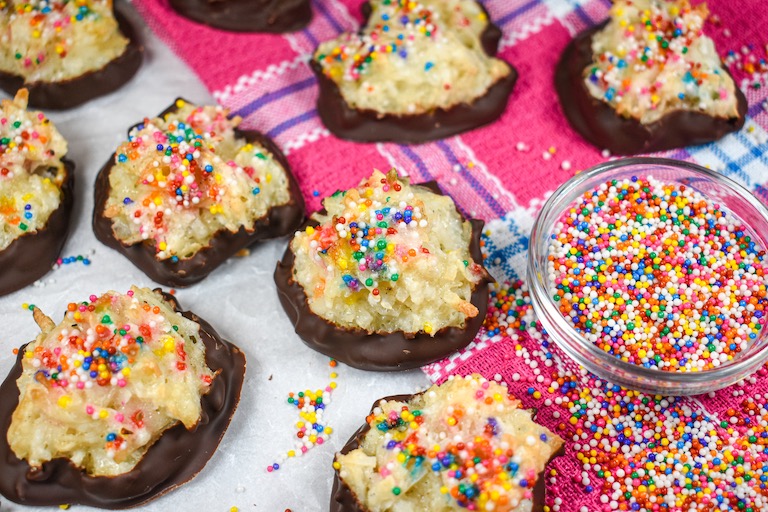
<point x="502" y="173"/>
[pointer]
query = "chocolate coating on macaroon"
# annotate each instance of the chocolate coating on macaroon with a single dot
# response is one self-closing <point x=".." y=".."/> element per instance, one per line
<point x="273" y="16"/>
<point x="279" y="221"/>
<point x="359" y="125"/>
<point x="31" y="256"/>
<point x="379" y="351"/>
<point x="175" y="458"/>
<point x="72" y="92"/>
<point x="600" y="125"/>
<point x="344" y="500"/>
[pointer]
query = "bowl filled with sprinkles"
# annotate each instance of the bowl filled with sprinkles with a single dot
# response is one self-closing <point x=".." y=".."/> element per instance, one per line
<point x="652" y="273"/>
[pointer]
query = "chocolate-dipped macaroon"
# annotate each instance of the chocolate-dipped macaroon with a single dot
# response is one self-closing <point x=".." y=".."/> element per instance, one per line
<point x="416" y="72"/>
<point x="629" y="93"/>
<point x="124" y="400"/>
<point x="188" y="189"/>
<point x="275" y="16"/>
<point x="389" y="276"/>
<point x="65" y="52"/>
<point x="413" y="453"/>
<point x="36" y="194"/>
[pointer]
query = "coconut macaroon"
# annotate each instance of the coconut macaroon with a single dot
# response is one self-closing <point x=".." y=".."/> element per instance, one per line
<point x="35" y="193"/>
<point x="466" y="444"/>
<point x="413" y="62"/>
<point x="103" y="385"/>
<point x="387" y="263"/>
<point x="188" y="189"/>
<point x="57" y="48"/>
<point x="645" y="76"/>
<point x="661" y="77"/>
<point x="387" y="256"/>
<point x="97" y="393"/>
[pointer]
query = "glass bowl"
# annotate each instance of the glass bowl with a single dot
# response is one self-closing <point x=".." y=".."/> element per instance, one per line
<point x="715" y="187"/>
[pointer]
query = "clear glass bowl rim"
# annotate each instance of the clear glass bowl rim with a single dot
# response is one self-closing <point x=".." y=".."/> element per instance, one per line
<point x="748" y="362"/>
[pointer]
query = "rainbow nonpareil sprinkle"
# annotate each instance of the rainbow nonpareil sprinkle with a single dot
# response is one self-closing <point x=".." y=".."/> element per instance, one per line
<point x="68" y="260"/>
<point x="371" y="243"/>
<point x="311" y="429"/>
<point x="658" y="275"/>
<point x="635" y="451"/>
<point x="353" y="59"/>
<point x="39" y="34"/>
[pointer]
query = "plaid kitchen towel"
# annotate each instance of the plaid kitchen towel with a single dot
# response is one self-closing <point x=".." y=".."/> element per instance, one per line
<point x="625" y="450"/>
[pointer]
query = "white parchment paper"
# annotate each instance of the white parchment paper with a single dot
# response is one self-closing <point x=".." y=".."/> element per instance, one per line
<point x="239" y="299"/>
